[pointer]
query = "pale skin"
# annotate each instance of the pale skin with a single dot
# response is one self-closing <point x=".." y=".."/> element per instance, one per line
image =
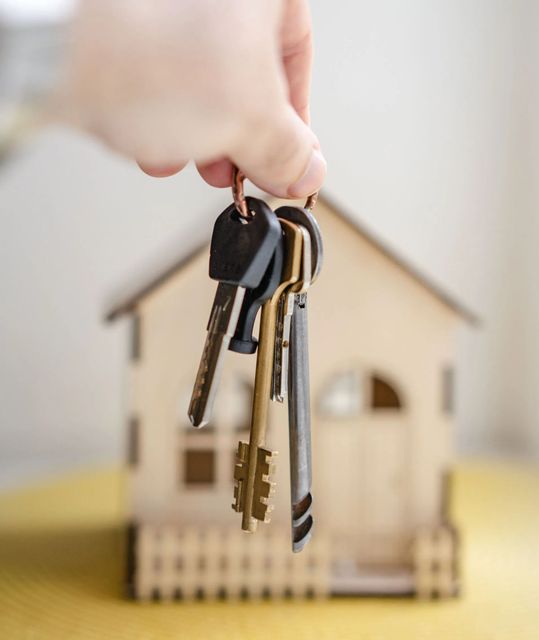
<point x="212" y="81"/>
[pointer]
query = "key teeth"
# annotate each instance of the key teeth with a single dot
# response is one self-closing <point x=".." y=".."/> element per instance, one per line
<point x="264" y="486"/>
<point x="262" y="510"/>
<point x="240" y="473"/>
<point x="267" y="456"/>
<point x="238" y="495"/>
<point x="267" y="488"/>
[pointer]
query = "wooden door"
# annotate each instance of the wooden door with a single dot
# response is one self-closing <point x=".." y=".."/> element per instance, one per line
<point x="383" y="489"/>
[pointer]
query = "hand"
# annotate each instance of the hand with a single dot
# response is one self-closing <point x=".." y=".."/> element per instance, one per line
<point x="166" y="81"/>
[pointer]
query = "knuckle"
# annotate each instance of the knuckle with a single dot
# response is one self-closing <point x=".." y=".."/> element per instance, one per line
<point x="288" y="155"/>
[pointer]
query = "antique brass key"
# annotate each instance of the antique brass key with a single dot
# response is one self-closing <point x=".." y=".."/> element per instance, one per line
<point x="253" y="487"/>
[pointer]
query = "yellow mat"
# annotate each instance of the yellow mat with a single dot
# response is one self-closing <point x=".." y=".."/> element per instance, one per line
<point x="61" y="568"/>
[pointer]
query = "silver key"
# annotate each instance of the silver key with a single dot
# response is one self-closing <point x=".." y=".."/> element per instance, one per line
<point x="279" y="381"/>
<point x="279" y="387"/>
<point x="221" y="326"/>
<point x="299" y="417"/>
<point x="299" y="410"/>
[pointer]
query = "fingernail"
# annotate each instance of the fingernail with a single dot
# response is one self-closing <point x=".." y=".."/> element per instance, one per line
<point x="312" y="179"/>
<point x="162" y="171"/>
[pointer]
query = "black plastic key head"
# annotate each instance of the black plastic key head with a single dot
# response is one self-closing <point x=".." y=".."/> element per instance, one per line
<point x="243" y="340"/>
<point x="242" y="249"/>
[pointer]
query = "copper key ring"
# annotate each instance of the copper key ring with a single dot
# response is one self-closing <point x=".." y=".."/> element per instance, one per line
<point x="238" y="194"/>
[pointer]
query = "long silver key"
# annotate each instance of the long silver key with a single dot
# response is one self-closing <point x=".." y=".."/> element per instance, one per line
<point x="299" y="411"/>
<point x="299" y="419"/>
<point x="240" y="252"/>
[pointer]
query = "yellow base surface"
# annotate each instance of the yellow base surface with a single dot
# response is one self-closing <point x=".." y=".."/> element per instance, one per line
<point x="61" y="564"/>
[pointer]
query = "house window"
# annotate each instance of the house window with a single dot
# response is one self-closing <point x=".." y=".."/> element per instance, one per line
<point x="135" y="337"/>
<point x="448" y="390"/>
<point x="383" y="395"/>
<point x="341" y="397"/>
<point x="199" y="467"/>
<point x="133" y="436"/>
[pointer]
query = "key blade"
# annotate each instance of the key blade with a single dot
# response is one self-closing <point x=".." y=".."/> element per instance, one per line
<point x="302" y="523"/>
<point x="299" y="414"/>
<point x="221" y="327"/>
<point x="240" y="476"/>
<point x="305" y="280"/>
<point x="279" y="385"/>
<point x="277" y="353"/>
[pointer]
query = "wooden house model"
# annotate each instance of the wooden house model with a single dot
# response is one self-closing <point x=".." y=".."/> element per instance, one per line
<point x="382" y="378"/>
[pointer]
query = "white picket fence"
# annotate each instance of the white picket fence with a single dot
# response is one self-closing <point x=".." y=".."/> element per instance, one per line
<point x="188" y="563"/>
<point x="435" y="563"/>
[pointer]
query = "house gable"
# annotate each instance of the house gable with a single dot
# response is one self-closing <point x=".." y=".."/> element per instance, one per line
<point x="129" y="302"/>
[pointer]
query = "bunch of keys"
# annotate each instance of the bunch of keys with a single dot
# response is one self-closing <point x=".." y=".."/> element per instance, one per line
<point x="264" y="261"/>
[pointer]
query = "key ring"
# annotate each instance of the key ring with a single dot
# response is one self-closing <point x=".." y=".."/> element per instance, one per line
<point x="311" y="201"/>
<point x="238" y="194"/>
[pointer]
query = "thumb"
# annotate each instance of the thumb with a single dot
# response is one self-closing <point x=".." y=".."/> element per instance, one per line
<point x="281" y="155"/>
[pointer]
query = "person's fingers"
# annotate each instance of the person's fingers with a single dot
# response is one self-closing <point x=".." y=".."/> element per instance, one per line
<point x="297" y="53"/>
<point x="280" y="154"/>
<point x="217" y="173"/>
<point x="161" y="172"/>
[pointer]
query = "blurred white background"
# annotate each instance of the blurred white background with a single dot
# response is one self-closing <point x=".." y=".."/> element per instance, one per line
<point x="428" y="115"/>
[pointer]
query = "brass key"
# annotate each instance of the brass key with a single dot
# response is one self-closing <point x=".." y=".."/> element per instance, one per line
<point x="253" y="487"/>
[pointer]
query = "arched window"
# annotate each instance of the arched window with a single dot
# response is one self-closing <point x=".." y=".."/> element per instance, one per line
<point x="341" y="397"/>
<point x="383" y="394"/>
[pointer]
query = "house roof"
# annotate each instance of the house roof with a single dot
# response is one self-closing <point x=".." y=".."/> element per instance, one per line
<point x="129" y="302"/>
